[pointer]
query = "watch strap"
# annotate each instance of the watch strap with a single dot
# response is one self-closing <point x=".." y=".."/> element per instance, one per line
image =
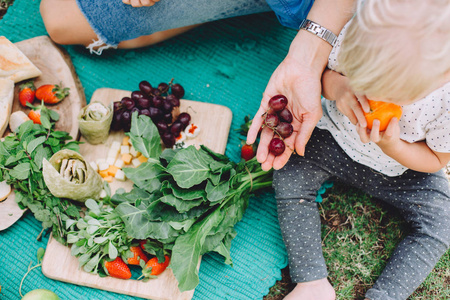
<point x="319" y="30"/>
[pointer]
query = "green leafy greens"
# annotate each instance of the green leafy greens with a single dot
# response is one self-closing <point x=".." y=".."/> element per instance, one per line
<point x="186" y="201"/>
<point x="21" y="156"/>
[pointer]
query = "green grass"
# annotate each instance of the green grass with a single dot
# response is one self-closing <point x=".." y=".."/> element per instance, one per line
<point x="359" y="235"/>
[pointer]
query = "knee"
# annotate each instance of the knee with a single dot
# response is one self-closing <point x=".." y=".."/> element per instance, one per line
<point x="52" y="22"/>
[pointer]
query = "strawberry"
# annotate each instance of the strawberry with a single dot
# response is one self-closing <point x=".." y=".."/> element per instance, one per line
<point x="51" y="94"/>
<point x="118" y="269"/>
<point x="247" y="152"/>
<point x="154" y="268"/>
<point x="35" y="116"/>
<point x="142" y="243"/>
<point x="138" y="256"/>
<point x="27" y="91"/>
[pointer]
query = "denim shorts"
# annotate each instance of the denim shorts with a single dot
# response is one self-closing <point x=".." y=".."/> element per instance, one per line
<point x="114" y="21"/>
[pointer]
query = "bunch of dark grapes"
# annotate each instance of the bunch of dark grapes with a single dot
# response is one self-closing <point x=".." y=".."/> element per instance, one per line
<point x="161" y="104"/>
<point x="279" y="119"/>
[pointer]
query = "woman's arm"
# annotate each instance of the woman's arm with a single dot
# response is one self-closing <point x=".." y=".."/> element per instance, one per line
<point x="298" y="78"/>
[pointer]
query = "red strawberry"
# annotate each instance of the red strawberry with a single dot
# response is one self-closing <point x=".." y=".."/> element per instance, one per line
<point x="247" y="152"/>
<point x="51" y="94"/>
<point x="118" y="269"/>
<point x="27" y="92"/>
<point x="154" y="267"/>
<point x="35" y="116"/>
<point x="138" y="256"/>
<point x="142" y="243"/>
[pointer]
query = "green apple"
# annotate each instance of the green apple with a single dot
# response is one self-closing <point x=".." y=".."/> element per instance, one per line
<point x="40" y="294"/>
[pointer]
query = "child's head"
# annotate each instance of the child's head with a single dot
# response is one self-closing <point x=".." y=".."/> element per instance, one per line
<point x="397" y="50"/>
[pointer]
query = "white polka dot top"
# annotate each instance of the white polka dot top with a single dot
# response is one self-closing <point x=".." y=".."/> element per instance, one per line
<point x="425" y="120"/>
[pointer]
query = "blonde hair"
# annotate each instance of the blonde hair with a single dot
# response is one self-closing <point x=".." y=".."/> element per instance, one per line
<point x="397" y="49"/>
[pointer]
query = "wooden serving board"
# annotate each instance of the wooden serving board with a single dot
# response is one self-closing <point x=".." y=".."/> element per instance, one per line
<point x="214" y="122"/>
<point x="56" y="68"/>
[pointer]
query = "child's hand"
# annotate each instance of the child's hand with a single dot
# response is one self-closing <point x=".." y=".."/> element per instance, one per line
<point x="387" y="139"/>
<point x="335" y="86"/>
<point x="140" y="3"/>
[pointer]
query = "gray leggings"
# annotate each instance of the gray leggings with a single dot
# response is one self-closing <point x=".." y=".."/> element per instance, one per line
<point x="423" y="200"/>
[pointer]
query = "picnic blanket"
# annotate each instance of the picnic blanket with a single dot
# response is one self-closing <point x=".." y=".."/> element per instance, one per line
<point x="226" y="62"/>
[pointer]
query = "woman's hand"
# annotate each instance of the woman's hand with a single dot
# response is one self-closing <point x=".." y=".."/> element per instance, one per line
<point x="301" y="85"/>
<point x="140" y="3"/>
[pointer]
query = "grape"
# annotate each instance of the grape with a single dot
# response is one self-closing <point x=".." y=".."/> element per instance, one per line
<point x="174" y="100"/>
<point x="156" y="92"/>
<point x="167" y="117"/>
<point x="135" y="95"/>
<point x="167" y="106"/>
<point x="126" y="118"/>
<point x="284" y="129"/>
<point x="278" y="102"/>
<point x="145" y="87"/>
<point x="116" y="120"/>
<point x="163" y="87"/>
<point x="168" y="139"/>
<point x="157" y="101"/>
<point x="184" y="119"/>
<point x="276" y="146"/>
<point x="145" y="112"/>
<point x="271" y="120"/>
<point x="134" y="109"/>
<point x="128" y="103"/>
<point x="178" y="90"/>
<point x="143" y="102"/>
<point x="176" y="128"/>
<point x="285" y="115"/>
<point x="117" y="105"/>
<point x="155" y="113"/>
<point x="162" y="126"/>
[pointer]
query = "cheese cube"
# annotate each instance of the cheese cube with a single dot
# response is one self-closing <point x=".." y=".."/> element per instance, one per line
<point x="120" y="175"/>
<point x="112" y="170"/>
<point x="110" y="160"/>
<point x="124" y="149"/>
<point x="112" y="153"/>
<point x="103" y="166"/>
<point x="119" y="163"/>
<point x="126" y="141"/>
<point x="100" y="161"/>
<point x="136" y="162"/>
<point x="134" y="152"/>
<point x="115" y="146"/>
<point x="108" y="178"/>
<point x="142" y="158"/>
<point x="127" y="158"/>
<point x="103" y="173"/>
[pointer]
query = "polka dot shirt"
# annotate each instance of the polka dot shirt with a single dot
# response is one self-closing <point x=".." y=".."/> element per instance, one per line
<point x="425" y="120"/>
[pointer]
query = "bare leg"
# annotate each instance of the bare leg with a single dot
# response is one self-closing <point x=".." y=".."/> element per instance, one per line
<point x="313" y="290"/>
<point x="66" y="25"/>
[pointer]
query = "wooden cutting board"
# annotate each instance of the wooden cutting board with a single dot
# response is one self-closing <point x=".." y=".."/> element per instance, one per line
<point x="56" y="68"/>
<point x="214" y="122"/>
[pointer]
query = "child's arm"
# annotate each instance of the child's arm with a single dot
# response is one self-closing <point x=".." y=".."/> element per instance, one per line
<point x="140" y="3"/>
<point x="415" y="156"/>
<point x="335" y="87"/>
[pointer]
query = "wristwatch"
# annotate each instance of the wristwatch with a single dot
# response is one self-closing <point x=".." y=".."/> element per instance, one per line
<point x="320" y="31"/>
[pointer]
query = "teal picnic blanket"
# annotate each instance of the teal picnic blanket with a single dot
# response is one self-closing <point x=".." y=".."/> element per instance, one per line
<point x="227" y="62"/>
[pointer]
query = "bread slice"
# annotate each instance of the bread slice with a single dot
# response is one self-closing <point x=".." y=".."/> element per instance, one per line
<point x="6" y="101"/>
<point x="14" y="64"/>
<point x="5" y="190"/>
